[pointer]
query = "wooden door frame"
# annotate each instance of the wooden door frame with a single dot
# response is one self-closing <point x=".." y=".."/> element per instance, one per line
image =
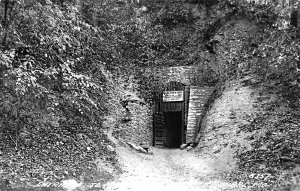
<point x="176" y="107"/>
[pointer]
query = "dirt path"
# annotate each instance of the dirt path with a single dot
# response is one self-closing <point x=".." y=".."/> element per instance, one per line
<point x="167" y="170"/>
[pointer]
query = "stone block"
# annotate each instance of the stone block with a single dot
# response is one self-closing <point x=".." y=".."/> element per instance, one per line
<point x="110" y="148"/>
<point x="189" y="148"/>
<point x="184" y="146"/>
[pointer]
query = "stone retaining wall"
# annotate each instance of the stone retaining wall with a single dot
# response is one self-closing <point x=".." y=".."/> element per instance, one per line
<point x="183" y="74"/>
<point x="198" y="98"/>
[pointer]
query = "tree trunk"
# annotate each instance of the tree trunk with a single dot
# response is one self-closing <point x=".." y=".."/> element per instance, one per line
<point x="8" y="7"/>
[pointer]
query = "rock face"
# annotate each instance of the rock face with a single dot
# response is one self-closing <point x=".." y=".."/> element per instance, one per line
<point x="130" y="116"/>
<point x="139" y="128"/>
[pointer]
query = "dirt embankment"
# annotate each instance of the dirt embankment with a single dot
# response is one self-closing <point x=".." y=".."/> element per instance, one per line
<point x="252" y="131"/>
<point x="221" y="134"/>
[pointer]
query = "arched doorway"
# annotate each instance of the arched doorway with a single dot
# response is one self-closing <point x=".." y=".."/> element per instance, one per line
<point x="170" y="116"/>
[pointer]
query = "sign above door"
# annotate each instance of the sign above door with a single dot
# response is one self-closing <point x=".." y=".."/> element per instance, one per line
<point x="172" y="96"/>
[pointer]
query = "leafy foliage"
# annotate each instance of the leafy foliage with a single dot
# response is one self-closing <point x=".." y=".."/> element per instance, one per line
<point x="51" y="70"/>
<point x="52" y="90"/>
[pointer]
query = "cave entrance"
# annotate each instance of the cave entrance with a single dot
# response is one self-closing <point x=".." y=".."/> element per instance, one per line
<point x="170" y="116"/>
<point x="173" y="123"/>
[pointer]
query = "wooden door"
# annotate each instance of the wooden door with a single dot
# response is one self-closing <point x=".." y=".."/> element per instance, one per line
<point x="159" y="133"/>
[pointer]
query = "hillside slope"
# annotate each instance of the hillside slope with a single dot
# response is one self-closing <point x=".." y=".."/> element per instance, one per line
<point x="221" y="132"/>
<point x="252" y="128"/>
